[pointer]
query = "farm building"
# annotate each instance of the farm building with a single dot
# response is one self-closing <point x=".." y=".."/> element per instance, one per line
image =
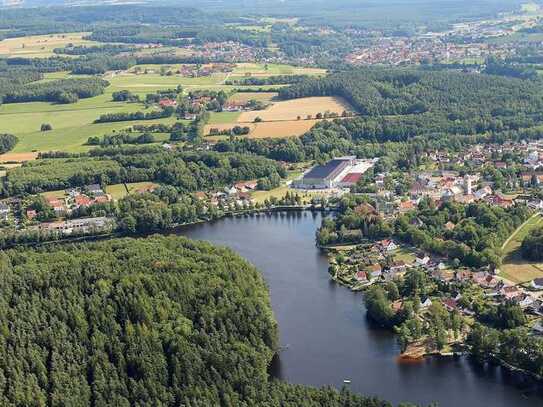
<point x="341" y="172"/>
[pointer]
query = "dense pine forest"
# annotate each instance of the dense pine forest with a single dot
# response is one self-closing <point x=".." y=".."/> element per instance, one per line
<point x="157" y="321"/>
<point x="396" y="104"/>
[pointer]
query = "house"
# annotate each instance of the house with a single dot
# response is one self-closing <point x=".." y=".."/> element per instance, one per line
<point x="524" y="300"/>
<point x="82" y="201"/>
<point x="483" y="192"/>
<point x="231" y="190"/>
<point x="387" y="245"/>
<point x="510" y="292"/>
<point x="463" y="275"/>
<point x="31" y="214"/>
<point x="94" y="189"/>
<point x="102" y="199"/>
<point x="499" y="200"/>
<point x="200" y="195"/>
<point x="375" y="270"/>
<point x="406" y="206"/>
<point x="426" y="303"/>
<point x="167" y="103"/>
<point x="361" y="277"/>
<point x="58" y="205"/>
<point x="449" y="225"/>
<point x="398" y="267"/>
<point x="365" y="209"/>
<point x="537" y="328"/>
<point x="537" y="283"/>
<point x="450" y="304"/>
<point x="4" y="211"/>
<point x="422" y="260"/>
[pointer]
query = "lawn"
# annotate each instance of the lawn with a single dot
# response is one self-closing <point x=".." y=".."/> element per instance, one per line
<point x="40" y="46"/>
<point x="60" y="194"/>
<point x="513" y="267"/>
<point x="134" y="186"/>
<point x="117" y="191"/>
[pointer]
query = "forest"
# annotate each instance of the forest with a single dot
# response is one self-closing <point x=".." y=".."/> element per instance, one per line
<point x="187" y="171"/>
<point x="156" y="321"/>
<point x="396" y="104"/>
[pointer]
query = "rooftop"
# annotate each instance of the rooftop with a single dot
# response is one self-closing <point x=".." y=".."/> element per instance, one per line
<point x="328" y="169"/>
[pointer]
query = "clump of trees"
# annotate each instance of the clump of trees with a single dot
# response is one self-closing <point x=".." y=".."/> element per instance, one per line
<point x="532" y="245"/>
<point x="125" y="116"/>
<point x="120" y="139"/>
<point x="60" y="91"/>
<point x="7" y="142"/>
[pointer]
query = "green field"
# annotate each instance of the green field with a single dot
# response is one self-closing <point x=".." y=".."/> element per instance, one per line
<point x="223" y="117"/>
<point x="40" y="46"/>
<point x="72" y="124"/>
<point x="119" y="191"/>
<point x="274" y="69"/>
<point x="151" y="82"/>
<point x="513" y="267"/>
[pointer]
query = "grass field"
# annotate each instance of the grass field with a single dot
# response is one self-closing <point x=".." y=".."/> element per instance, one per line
<point x="59" y="194"/>
<point x="72" y="124"/>
<point x="223" y="117"/>
<point x="151" y="82"/>
<point x="244" y="97"/>
<point x="119" y="191"/>
<point x="40" y="46"/>
<point x="513" y="267"/>
<point x="263" y="70"/>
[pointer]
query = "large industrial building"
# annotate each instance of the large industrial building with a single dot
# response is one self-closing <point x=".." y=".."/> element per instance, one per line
<point x="342" y="172"/>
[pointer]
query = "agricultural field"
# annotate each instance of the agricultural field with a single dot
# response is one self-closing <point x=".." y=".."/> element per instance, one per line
<point x="40" y="46"/>
<point x="264" y="70"/>
<point x="147" y="83"/>
<point x="244" y="97"/>
<point x="297" y="108"/>
<point x="285" y="118"/>
<point x="72" y="123"/>
<point x="514" y="267"/>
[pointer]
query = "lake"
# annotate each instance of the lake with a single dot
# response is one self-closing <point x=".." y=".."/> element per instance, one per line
<point x="325" y="332"/>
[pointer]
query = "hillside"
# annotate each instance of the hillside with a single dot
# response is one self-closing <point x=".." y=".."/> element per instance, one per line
<point x="158" y="321"/>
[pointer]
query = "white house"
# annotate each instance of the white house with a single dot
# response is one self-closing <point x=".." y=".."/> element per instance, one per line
<point x="422" y="260"/>
<point x="537" y="283"/>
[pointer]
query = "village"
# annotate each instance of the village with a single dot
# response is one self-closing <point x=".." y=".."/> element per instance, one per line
<point x="503" y="176"/>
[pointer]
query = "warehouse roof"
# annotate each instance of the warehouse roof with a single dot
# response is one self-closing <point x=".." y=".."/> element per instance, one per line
<point x="324" y="171"/>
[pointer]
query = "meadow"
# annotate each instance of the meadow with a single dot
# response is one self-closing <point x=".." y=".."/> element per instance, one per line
<point x="40" y="46"/>
<point x="74" y="123"/>
<point x="514" y="267"/>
